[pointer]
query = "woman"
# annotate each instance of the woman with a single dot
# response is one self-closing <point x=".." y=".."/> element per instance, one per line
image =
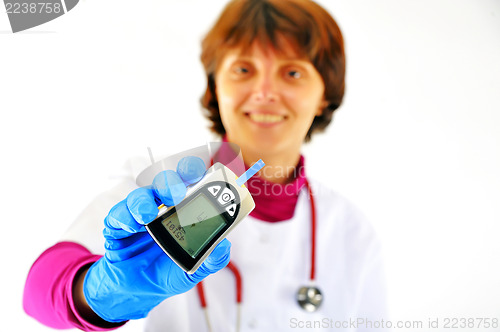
<point x="275" y="75"/>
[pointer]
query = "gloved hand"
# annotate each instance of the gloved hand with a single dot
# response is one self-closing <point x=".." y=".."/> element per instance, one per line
<point x="135" y="275"/>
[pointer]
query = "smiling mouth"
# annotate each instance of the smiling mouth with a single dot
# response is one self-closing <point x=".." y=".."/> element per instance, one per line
<point x="266" y="118"/>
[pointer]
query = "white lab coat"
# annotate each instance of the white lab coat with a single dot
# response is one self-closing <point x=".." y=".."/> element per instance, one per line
<point x="274" y="261"/>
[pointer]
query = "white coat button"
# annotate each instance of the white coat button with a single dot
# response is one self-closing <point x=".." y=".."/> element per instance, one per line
<point x="252" y="323"/>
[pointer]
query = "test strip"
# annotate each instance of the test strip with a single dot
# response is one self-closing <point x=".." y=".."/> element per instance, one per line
<point x="250" y="172"/>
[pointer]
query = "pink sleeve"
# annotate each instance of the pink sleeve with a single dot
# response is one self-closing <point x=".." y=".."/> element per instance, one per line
<point x="48" y="293"/>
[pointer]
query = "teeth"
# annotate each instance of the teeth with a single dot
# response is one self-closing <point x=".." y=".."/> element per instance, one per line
<point x="266" y="118"/>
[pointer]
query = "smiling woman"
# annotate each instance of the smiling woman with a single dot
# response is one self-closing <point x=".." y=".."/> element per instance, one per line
<point x="297" y="29"/>
<point x="275" y="76"/>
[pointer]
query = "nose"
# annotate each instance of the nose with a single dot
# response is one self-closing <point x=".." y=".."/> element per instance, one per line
<point x="265" y="89"/>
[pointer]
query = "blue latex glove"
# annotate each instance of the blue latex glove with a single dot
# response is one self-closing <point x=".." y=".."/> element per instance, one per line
<point x="135" y="275"/>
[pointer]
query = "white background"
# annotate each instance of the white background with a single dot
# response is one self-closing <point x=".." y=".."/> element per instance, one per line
<point x="416" y="144"/>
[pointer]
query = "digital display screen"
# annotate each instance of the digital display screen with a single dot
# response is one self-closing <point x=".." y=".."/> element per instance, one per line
<point x="195" y="224"/>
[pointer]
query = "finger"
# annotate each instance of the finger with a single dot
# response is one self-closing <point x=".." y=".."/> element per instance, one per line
<point x="119" y="223"/>
<point x="217" y="260"/>
<point x="128" y="247"/>
<point x="191" y="169"/>
<point x="142" y="206"/>
<point x="169" y="187"/>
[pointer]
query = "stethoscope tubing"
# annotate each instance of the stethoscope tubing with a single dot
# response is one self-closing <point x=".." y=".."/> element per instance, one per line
<point x="313" y="233"/>
<point x="239" y="279"/>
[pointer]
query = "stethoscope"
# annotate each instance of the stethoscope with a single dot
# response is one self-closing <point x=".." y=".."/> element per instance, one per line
<point x="308" y="297"/>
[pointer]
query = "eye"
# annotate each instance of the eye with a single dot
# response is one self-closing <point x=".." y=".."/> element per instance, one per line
<point x="295" y="74"/>
<point x="241" y="70"/>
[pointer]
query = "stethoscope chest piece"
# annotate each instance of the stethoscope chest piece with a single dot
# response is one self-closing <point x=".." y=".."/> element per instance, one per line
<point x="309" y="298"/>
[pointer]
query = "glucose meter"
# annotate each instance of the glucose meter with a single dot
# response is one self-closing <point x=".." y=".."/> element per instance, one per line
<point x="189" y="231"/>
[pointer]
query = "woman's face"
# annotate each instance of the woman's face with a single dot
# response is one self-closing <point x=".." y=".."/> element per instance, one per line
<point x="268" y="100"/>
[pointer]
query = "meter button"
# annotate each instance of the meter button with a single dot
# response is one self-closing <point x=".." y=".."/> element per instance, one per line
<point x="231" y="209"/>
<point x="214" y="190"/>
<point x="226" y="196"/>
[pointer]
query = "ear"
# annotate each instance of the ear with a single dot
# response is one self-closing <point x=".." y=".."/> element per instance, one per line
<point x="322" y="106"/>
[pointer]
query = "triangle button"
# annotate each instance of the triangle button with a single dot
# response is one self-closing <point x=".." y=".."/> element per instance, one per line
<point x="231" y="209"/>
<point x="214" y="190"/>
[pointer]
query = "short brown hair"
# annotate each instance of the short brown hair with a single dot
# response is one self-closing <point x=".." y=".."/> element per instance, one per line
<point x="314" y="32"/>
